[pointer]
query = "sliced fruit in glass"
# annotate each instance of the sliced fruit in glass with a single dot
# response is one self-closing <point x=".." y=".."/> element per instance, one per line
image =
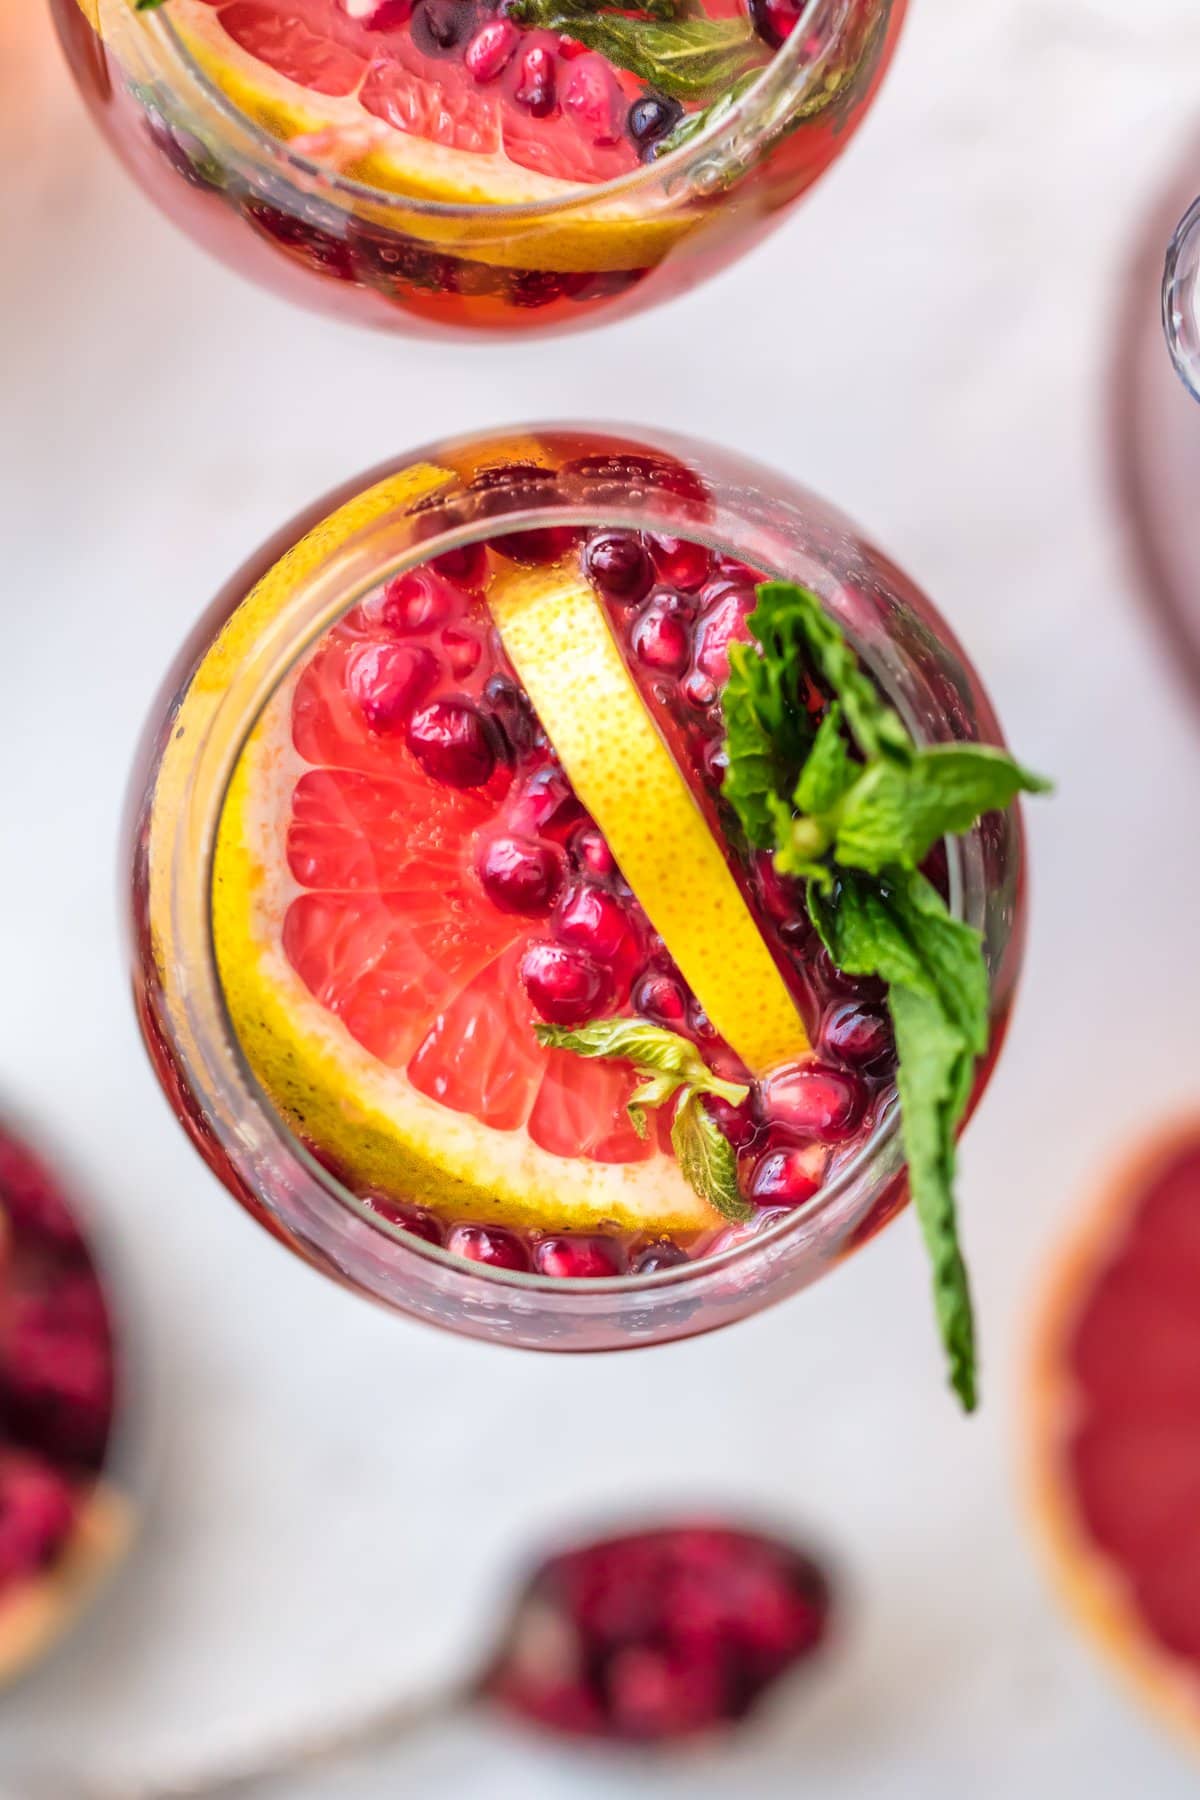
<point x="451" y="951"/>
<point x="456" y="165"/>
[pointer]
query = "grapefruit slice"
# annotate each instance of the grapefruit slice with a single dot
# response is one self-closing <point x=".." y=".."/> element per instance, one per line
<point x="1115" y="1436"/>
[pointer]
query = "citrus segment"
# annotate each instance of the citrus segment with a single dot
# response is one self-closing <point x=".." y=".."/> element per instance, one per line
<point x="557" y="634"/>
<point x="1115" y="1439"/>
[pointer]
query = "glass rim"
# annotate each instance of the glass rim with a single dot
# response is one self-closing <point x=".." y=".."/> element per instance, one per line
<point x="776" y="78"/>
<point x="882" y="1150"/>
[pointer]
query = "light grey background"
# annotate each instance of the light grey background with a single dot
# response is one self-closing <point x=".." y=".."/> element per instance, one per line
<point x="340" y="1494"/>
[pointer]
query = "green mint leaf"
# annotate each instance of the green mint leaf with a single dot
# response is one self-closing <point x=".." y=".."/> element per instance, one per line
<point x="687" y="59"/>
<point x="829" y="771"/>
<point x="707" y="1160"/>
<point x="692" y="124"/>
<point x="896" y="812"/>
<point x="651" y="1050"/>
<point x="768" y="733"/>
<point x="934" y="1077"/>
<point x="653" y="1093"/>
<point x="877" y="728"/>
<point x="901" y="930"/>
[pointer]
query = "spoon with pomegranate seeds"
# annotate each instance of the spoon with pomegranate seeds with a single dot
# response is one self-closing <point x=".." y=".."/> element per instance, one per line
<point x="647" y="1638"/>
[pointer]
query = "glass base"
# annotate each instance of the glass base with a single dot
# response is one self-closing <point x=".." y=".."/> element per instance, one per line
<point x="1156" y="436"/>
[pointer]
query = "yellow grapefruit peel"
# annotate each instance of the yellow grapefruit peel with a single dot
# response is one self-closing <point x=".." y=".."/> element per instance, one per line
<point x="557" y="636"/>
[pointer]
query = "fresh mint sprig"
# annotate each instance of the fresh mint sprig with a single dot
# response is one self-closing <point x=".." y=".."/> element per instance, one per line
<point x="668" y="1066"/>
<point x="853" y="808"/>
<point x="685" y="58"/>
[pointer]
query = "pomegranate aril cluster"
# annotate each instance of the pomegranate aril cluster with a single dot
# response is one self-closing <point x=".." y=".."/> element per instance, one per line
<point x="660" y="1635"/>
<point x="57" y="1366"/>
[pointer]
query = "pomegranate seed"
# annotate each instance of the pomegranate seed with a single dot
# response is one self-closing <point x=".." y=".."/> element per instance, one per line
<point x="662" y="1000"/>
<point x="714" y="760"/>
<point x="490" y="50"/>
<point x="579" y="1258"/>
<point x="617" y="563"/>
<point x="681" y="563"/>
<point x="536" y="90"/>
<point x="858" y="1036"/>
<point x="656" y="1257"/>
<point x="487" y="1244"/>
<point x="564" y="984"/>
<point x="698" y="690"/>
<point x="546" y="804"/>
<point x="451" y="743"/>
<point x="414" y="1219"/>
<point x="463" y="650"/>
<point x="722" y="623"/>
<point x="774" y="20"/>
<point x="836" y="981"/>
<point x="809" y="1098"/>
<point x="417" y="602"/>
<point x="519" y="875"/>
<point x="386" y="681"/>
<point x="651" y="118"/>
<point x="595" y="921"/>
<point x="549" y="545"/>
<point x="592" y="98"/>
<point x="466" y="568"/>
<point x="510" y="710"/>
<point x="785" y="1177"/>
<point x="661" y="641"/>
<point x="592" y="854"/>
<point x="736" y="1122"/>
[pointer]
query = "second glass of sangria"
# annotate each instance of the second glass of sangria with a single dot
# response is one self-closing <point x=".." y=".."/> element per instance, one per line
<point x="549" y="917"/>
<point x="479" y="165"/>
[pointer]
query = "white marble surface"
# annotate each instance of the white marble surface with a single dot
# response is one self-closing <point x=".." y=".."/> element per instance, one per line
<point x="340" y="1494"/>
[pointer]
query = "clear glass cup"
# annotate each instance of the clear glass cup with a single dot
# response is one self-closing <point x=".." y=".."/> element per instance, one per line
<point x="1154" y="413"/>
<point x="422" y="266"/>
<point x="586" y="477"/>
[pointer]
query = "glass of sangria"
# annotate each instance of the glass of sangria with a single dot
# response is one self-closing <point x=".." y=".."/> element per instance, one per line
<point x="478" y="165"/>
<point x="457" y="951"/>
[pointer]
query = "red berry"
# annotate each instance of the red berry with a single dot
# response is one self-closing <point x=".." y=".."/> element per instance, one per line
<point x="662" y="1000"/>
<point x="661" y="641"/>
<point x="520" y="875"/>
<point x="547" y="545"/>
<point x="466" y="567"/>
<point x="545" y="804"/>
<point x="386" y="681"/>
<point x="657" y="1257"/>
<point x="859" y="1036"/>
<point x="592" y="852"/>
<point x="509" y="710"/>
<point x="723" y="622"/>
<point x="774" y="20"/>
<point x="698" y="690"/>
<point x="579" y="1258"/>
<point x="414" y="1219"/>
<point x="451" y="743"/>
<point x="419" y="601"/>
<point x="738" y="1123"/>
<point x="782" y="896"/>
<point x="536" y="87"/>
<point x="785" y="1177"/>
<point x="490" y="50"/>
<point x="681" y="563"/>
<point x="617" y="563"/>
<point x="488" y="1244"/>
<point x="816" y="1101"/>
<point x="594" y="920"/>
<point x="564" y="984"/>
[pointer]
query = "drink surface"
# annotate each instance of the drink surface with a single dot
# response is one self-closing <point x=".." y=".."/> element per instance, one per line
<point x="484" y="812"/>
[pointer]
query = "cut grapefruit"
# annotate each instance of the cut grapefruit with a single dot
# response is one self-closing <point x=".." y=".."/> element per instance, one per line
<point x="1115" y="1415"/>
